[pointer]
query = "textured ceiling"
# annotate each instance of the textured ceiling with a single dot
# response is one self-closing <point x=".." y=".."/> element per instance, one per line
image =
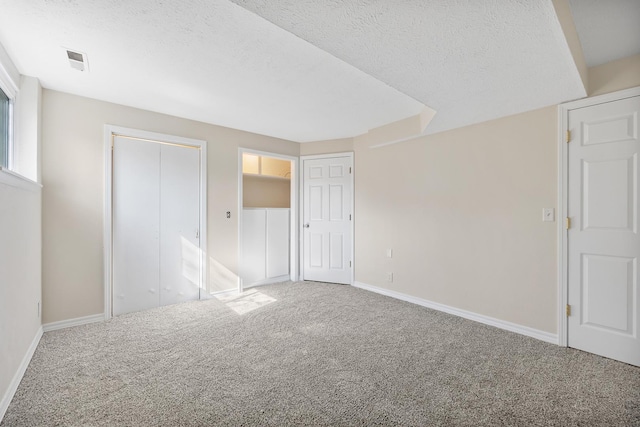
<point x="471" y="61"/>
<point x="608" y="30"/>
<point x="207" y="60"/>
<point x="300" y="69"/>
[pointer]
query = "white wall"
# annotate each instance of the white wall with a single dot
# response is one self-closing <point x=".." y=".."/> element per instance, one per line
<point x="73" y="195"/>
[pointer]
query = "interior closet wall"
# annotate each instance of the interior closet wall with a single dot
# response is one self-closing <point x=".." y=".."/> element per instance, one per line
<point x="266" y="189"/>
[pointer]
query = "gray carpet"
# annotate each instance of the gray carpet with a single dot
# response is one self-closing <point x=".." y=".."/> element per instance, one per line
<point x="314" y="354"/>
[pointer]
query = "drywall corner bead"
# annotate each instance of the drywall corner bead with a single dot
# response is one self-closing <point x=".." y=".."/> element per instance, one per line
<point x="9" y="75"/>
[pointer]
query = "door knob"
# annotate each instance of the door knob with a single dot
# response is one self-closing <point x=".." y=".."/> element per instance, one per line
<point x="306" y="226"/>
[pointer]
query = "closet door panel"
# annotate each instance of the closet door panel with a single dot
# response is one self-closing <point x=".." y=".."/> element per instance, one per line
<point x="136" y="225"/>
<point x="179" y="224"/>
<point x="277" y="242"/>
<point x="253" y="245"/>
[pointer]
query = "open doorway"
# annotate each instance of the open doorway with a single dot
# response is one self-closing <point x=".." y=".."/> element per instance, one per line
<point x="267" y="226"/>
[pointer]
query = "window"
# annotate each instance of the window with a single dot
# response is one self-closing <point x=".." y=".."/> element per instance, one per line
<point x="5" y="129"/>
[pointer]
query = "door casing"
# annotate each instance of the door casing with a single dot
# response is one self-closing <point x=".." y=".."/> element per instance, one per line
<point x="563" y="193"/>
<point x="110" y="132"/>
<point x="353" y="217"/>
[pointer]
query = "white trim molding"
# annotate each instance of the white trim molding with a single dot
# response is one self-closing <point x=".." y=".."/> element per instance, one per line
<point x="9" y="75"/>
<point x="270" y="281"/>
<point x="563" y="193"/>
<point x="15" y="381"/>
<point x="480" y="318"/>
<point x="69" y="323"/>
<point x="13" y="179"/>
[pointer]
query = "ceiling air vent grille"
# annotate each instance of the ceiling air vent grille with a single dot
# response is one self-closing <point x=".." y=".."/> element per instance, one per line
<point x="77" y="60"/>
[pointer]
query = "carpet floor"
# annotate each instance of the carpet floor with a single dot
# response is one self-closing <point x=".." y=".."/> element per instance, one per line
<point x="314" y="354"/>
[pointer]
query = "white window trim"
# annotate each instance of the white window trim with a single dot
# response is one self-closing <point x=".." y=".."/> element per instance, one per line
<point x="13" y="179"/>
<point x="9" y="83"/>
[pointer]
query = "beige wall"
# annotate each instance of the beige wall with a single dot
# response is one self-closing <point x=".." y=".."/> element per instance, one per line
<point x="265" y="192"/>
<point x="325" y="147"/>
<point x="20" y="271"/>
<point x="20" y="240"/>
<point x="73" y="178"/>
<point x="461" y="209"/>
<point x="462" y="212"/>
<point x="615" y="75"/>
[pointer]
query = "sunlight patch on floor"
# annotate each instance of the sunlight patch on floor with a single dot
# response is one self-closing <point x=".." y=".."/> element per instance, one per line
<point x="247" y="301"/>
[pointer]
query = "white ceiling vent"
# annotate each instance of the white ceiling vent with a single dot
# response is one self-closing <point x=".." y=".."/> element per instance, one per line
<point x="77" y="60"/>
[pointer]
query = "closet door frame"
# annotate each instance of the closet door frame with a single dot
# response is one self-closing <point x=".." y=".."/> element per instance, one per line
<point x="293" y="211"/>
<point x="110" y="133"/>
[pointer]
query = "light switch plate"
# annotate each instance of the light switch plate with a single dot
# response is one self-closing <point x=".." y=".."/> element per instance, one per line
<point x="548" y="214"/>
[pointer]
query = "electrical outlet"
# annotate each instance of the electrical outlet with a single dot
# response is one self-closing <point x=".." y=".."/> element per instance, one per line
<point x="228" y="214"/>
<point x="389" y="277"/>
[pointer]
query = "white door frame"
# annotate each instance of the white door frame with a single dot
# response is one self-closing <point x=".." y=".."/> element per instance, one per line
<point x="353" y="216"/>
<point x="563" y="192"/>
<point x="293" y="212"/>
<point x="110" y="133"/>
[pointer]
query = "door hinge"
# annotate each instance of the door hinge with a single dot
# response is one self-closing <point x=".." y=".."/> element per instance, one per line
<point x="568" y="310"/>
<point x="349" y="217"/>
<point x="349" y="263"/>
<point x="568" y="223"/>
<point x="349" y="169"/>
<point x="568" y="135"/>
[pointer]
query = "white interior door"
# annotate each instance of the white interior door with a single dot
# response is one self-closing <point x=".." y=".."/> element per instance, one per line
<point x="326" y="219"/>
<point x="156" y="219"/>
<point x="603" y="241"/>
<point x="179" y="224"/>
<point x="136" y="225"/>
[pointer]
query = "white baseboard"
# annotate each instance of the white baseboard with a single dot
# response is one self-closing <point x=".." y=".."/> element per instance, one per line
<point x="279" y="279"/>
<point x="502" y="324"/>
<point x="221" y="294"/>
<point x="15" y="382"/>
<point x="62" y="324"/>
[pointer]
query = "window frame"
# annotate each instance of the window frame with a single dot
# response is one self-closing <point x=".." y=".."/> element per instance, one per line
<point x="10" y="140"/>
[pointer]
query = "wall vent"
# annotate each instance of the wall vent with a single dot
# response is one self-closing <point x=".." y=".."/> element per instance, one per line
<point x="77" y="60"/>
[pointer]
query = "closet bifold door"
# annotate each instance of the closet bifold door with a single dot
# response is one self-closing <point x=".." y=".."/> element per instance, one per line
<point x="136" y="225"/>
<point x="179" y="224"/>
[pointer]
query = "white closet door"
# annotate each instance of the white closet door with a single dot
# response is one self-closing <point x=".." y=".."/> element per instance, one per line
<point x="136" y="225"/>
<point x="277" y="242"/>
<point x="179" y="224"/>
<point x="253" y="245"/>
